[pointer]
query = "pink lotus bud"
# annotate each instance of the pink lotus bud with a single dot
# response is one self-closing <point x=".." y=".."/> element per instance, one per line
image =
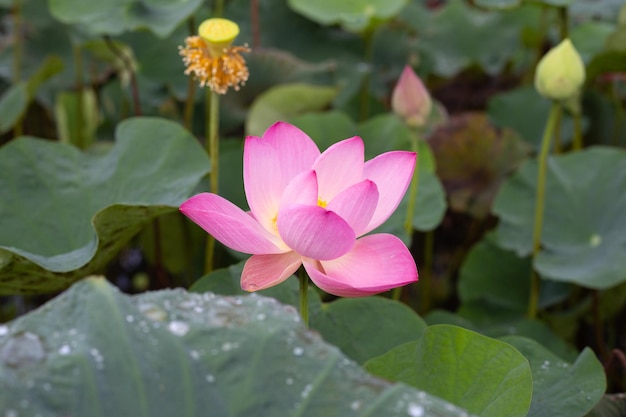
<point x="410" y="99"/>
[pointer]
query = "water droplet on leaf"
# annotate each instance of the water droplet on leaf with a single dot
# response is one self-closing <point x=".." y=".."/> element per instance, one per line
<point x="415" y="410"/>
<point x="179" y="328"/>
<point x="23" y="349"/>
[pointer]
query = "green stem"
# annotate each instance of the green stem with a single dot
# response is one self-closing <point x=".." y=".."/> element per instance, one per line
<point x="304" y="292"/>
<point x="619" y="115"/>
<point x="563" y="22"/>
<point x="80" y="111"/>
<point x="396" y="293"/>
<point x="191" y="87"/>
<point x="427" y="272"/>
<point x="255" y="24"/>
<point x="17" y="40"/>
<point x="540" y="203"/>
<point x="408" y="223"/>
<point x="364" y="97"/>
<point x="219" y="7"/>
<point x="128" y="64"/>
<point x="557" y="135"/>
<point x="18" y="54"/>
<point x="577" y="144"/>
<point x="212" y="148"/>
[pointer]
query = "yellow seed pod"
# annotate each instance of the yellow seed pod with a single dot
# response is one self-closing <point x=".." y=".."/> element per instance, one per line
<point x="561" y="72"/>
<point x="212" y="60"/>
<point x="218" y="33"/>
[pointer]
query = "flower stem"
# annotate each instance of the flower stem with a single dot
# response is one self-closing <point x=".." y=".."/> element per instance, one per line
<point x="128" y="64"/>
<point x="213" y="139"/>
<point x="80" y="111"/>
<point x="18" y="54"/>
<point x="364" y="98"/>
<point x="427" y="272"/>
<point x="408" y="223"/>
<point x="191" y="87"/>
<point x="304" y="292"/>
<point x="577" y="144"/>
<point x="212" y="148"/>
<point x="554" y="116"/>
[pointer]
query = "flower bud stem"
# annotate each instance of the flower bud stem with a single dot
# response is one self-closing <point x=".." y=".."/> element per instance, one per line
<point x="548" y="132"/>
<point x="408" y="223"/>
<point x="212" y="148"/>
<point x="304" y="292"/>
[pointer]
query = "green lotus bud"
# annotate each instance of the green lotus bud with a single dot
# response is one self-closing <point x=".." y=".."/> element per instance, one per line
<point x="561" y="73"/>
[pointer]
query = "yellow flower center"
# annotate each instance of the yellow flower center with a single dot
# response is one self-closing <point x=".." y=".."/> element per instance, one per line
<point x="321" y="203"/>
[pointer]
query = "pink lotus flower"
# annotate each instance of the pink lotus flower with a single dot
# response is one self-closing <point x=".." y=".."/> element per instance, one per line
<point x="311" y="208"/>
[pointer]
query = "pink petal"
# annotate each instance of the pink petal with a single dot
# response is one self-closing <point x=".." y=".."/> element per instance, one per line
<point x="270" y="163"/>
<point x="315" y="232"/>
<point x="263" y="180"/>
<point x="301" y="190"/>
<point x="356" y="205"/>
<point x="296" y="151"/>
<point x="339" y="167"/>
<point x="229" y="224"/>
<point x="375" y="264"/>
<point x="392" y="173"/>
<point x="264" y="271"/>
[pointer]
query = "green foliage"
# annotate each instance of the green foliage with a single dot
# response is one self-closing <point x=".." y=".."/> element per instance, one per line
<point x="350" y="323"/>
<point x="118" y="16"/>
<point x="72" y="71"/>
<point x="88" y="206"/>
<point x="485" y="376"/>
<point x="504" y="110"/>
<point x="578" y="245"/>
<point x="95" y="351"/>
<point x="457" y="36"/>
<point x="356" y="16"/>
<point x="285" y="101"/>
<point x="561" y="389"/>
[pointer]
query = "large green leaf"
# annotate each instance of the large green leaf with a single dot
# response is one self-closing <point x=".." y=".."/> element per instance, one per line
<point x="13" y="105"/>
<point x="96" y="352"/>
<point x="326" y="128"/>
<point x="495" y="279"/>
<point x="506" y="110"/>
<point x="347" y="323"/>
<point x="286" y="101"/>
<point x="458" y="35"/>
<point x="15" y="100"/>
<point x="498" y="4"/>
<point x="491" y="275"/>
<point x="226" y="281"/>
<point x="485" y="376"/>
<point x="561" y="389"/>
<point x="584" y="228"/>
<point x="114" y="17"/>
<point x="66" y="213"/>
<point x="352" y="15"/>
<point x="367" y="327"/>
<point x="498" y="324"/>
